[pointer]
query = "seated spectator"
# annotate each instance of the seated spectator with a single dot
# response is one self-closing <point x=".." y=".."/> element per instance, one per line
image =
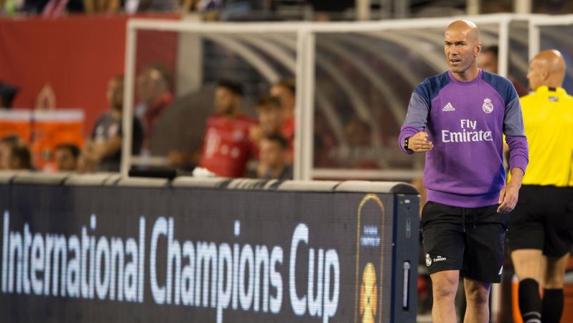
<point x="133" y="6"/>
<point x="269" y="113"/>
<point x="154" y="93"/>
<point x="52" y="8"/>
<point x="271" y="122"/>
<point x="6" y="144"/>
<point x="102" y="6"/>
<point x="66" y="157"/>
<point x="86" y="163"/>
<point x="285" y="91"/>
<point x="488" y="61"/>
<point x="104" y="146"/>
<point x="273" y="158"/>
<point x="226" y="144"/>
<point x="330" y="10"/>
<point x="247" y="10"/>
<point x="206" y="5"/>
<point x="16" y="156"/>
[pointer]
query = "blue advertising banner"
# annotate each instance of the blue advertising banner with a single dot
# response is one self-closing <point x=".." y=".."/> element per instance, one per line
<point x="163" y="253"/>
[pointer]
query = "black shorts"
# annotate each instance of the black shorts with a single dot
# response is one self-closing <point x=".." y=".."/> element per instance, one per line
<point x="470" y="240"/>
<point x="543" y="220"/>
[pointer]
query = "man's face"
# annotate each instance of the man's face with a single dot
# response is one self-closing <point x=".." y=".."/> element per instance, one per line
<point x="115" y="94"/>
<point x="225" y="101"/>
<point x="488" y="62"/>
<point x="284" y="95"/>
<point x="65" y="161"/>
<point x="144" y="86"/>
<point x="270" y="121"/>
<point x="150" y="85"/>
<point x="461" y="51"/>
<point x="536" y="75"/>
<point x="271" y="154"/>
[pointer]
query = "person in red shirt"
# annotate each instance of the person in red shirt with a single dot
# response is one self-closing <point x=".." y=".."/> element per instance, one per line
<point x="226" y="144"/>
<point x="154" y="94"/>
<point x="270" y="117"/>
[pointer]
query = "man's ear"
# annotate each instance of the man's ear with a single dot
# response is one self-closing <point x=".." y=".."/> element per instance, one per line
<point x="478" y="49"/>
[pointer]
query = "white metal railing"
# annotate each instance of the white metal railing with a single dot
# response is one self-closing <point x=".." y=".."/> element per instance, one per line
<point x="538" y="21"/>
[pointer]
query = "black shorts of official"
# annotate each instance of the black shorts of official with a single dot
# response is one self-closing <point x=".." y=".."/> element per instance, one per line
<point x="470" y="240"/>
<point x="543" y="220"/>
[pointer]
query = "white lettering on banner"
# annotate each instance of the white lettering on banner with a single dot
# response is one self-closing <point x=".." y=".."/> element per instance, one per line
<point x="173" y="261"/>
<point x="5" y="251"/>
<point x="130" y="279"/>
<point x="225" y="276"/>
<point x="27" y="245"/>
<point x="60" y="266"/>
<point x="331" y="265"/>
<point x="37" y="263"/>
<point x="276" y="280"/>
<point x="299" y="304"/>
<point x="262" y="268"/>
<point x="188" y="274"/>
<point x="141" y="256"/>
<point x="246" y="290"/>
<point x="206" y="274"/>
<point x="159" y="229"/>
<point x="73" y="281"/>
<point x="102" y="256"/>
<point x="206" y="256"/>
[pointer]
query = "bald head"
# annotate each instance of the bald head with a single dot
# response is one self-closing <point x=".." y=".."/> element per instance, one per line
<point x="467" y="27"/>
<point x="546" y="68"/>
<point x="462" y="46"/>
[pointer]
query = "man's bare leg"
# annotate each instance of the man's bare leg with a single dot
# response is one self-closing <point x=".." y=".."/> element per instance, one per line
<point x="477" y="300"/>
<point x="444" y="288"/>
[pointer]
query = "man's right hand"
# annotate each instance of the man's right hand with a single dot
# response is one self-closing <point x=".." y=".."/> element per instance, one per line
<point x="419" y="142"/>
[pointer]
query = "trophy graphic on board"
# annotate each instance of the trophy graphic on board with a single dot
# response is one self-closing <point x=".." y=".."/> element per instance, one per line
<point x="369" y="260"/>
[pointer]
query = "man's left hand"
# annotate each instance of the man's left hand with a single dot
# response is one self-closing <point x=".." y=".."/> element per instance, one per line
<point x="508" y="198"/>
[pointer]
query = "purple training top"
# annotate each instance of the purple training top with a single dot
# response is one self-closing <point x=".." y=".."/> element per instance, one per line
<point x="465" y="122"/>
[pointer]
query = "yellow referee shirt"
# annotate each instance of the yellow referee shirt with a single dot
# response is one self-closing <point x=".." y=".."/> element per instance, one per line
<point x="548" y="118"/>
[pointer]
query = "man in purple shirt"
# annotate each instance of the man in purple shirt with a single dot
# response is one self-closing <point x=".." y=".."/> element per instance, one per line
<point x="458" y="119"/>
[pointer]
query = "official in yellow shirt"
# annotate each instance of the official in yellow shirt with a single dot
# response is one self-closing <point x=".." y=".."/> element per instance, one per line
<point x="548" y="118"/>
<point x="541" y="225"/>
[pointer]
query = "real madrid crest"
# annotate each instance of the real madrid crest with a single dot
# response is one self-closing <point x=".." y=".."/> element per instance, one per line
<point x="487" y="105"/>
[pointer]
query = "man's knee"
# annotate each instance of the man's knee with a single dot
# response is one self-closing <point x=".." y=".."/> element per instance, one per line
<point x="477" y="293"/>
<point x="477" y="296"/>
<point x="554" y="281"/>
<point x="555" y="272"/>
<point x="527" y="263"/>
<point x="444" y="291"/>
<point x="445" y="284"/>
